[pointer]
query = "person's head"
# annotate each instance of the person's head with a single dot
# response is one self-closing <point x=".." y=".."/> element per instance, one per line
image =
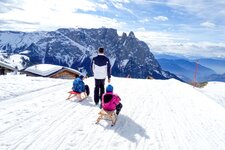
<point x="101" y="50"/>
<point x="81" y="77"/>
<point x="109" y="88"/>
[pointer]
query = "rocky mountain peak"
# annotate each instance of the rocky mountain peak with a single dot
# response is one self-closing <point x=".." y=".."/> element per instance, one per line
<point x="76" y="47"/>
<point x="131" y="34"/>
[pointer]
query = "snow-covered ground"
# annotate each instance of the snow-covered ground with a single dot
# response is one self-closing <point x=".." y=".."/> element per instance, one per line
<point x="156" y="115"/>
<point x="215" y="91"/>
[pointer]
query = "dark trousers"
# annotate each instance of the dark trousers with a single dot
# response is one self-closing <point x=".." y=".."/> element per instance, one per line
<point x="118" y="108"/>
<point x="99" y="89"/>
<point x="87" y="90"/>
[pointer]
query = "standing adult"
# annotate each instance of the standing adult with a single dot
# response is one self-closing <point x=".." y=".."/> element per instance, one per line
<point x="101" y="69"/>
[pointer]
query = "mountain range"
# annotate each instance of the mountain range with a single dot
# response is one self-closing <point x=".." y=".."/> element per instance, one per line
<point x="208" y="69"/>
<point x="76" y="47"/>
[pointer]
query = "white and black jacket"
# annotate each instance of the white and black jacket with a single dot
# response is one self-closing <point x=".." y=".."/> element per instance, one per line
<point x="101" y="67"/>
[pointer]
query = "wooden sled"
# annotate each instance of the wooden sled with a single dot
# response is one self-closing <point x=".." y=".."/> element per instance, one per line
<point x="79" y="96"/>
<point x="107" y="115"/>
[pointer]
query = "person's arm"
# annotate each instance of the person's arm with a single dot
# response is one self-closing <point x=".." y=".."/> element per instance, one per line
<point x="117" y="100"/>
<point x="92" y="66"/>
<point x="73" y="88"/>
<point x="83" y="88"/>
<point x="118" y="97"/>
<point x="109" y="70"/>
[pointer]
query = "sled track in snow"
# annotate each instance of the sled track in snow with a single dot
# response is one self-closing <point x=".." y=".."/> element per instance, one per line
<point x="49" y="127"/>
<point x="20" y="97"/>
<point x="29" y="117"/>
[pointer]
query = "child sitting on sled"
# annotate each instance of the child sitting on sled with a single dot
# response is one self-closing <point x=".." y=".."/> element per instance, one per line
<point x="79" y="88"/>
<point x="111" y="101"/>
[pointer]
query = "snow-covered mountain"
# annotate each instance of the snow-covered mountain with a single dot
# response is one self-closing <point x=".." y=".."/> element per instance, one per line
<point x="162" y="115"/>
<point x="76" y="47"/>
<point x="215" y="64"/>
<point x="217" y="77"/>
<point x="185" y="69"/>
<point x="209" y="69"/>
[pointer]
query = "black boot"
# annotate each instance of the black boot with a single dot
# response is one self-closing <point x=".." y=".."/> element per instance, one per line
<point x="87" y="90"/>
<point x="96" y="95"/>
<point x="118" y="108"/>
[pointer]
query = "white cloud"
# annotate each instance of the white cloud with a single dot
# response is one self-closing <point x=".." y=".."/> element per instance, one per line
<point x="119" y="4"/>
<point x="205" y="9"/>
<point x="199" y="49"/>
<point x="208" y="24"/>
<point x="144" y="20"/>
<point x="121" y="1"/>
<point x="70" y="5"/>
<point x="158" y="38"/>
<point x="195" y="50"/>
<point x="169" y="43"/>
<point x="30" y="15"/>
<point x="158" y="41"/>
<point x="141" y="29"/>
<point x="58" y="20"/>
<point x="103" y="6"/>
<point x="161" y="18"/>
<point x="53" y="14"/>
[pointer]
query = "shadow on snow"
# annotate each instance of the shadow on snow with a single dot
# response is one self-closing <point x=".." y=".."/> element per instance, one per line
<point x="129" y="129"/>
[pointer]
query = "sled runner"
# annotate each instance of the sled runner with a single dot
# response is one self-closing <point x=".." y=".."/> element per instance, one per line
<point x="107" y="115"/>
<point x="80" y="96"/>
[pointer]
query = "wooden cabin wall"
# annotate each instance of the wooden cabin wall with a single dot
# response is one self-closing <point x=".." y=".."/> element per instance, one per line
<point x="64" y="75"/>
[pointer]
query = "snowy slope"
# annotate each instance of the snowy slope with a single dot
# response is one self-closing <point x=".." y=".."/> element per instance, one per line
<point x="157" y="115"/>
<point x="215" y="91"/>
<point x="19" y="39"/>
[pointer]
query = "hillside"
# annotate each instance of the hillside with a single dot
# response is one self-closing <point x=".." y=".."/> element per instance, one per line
<point x="157" y="115"/>
<point x="185" y="69"/>
<point x="209" y="69"/>
<point x="217" y="77"/>
<point x="217" y="65"/>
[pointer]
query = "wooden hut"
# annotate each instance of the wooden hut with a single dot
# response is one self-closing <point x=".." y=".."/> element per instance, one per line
<point x="52" y="71"/>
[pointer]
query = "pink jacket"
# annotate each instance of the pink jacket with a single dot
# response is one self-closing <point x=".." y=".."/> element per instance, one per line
<point x="110" y="101"/>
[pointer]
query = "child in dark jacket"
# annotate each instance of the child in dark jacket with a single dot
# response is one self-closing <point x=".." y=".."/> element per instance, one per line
<point x="79" y="87"/>
<point x="78" y="84"/>
<point x="111" y="101"/>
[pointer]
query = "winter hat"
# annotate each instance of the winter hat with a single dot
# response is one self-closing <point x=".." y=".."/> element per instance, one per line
<point x="109" y="88"/>
<point x="81" y="76"/>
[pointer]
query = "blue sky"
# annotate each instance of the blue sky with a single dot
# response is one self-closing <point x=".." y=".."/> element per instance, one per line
<point x="182" y="27"/>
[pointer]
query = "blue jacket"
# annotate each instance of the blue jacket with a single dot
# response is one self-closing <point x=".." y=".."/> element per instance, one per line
<point x="101" y="67"/>
<point x="78" y="85"/>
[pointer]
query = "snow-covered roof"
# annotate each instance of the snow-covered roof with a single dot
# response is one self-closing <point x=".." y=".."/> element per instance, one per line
<point x="43" y="69"/>
<point x="7" y="65"/>
<point x="47" y="69"/>
<point x="72" y="70"/>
